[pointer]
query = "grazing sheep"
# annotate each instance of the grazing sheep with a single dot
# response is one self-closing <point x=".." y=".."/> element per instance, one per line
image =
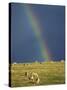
<point x="36" y="79"/>
<point x="28" y="75"/>
<point x="40" y="63"/>
<point x="24" y="64"/>
<point x="33" y="76"/>
<point x="14" y="63"/>
<point x="62" y="61"/>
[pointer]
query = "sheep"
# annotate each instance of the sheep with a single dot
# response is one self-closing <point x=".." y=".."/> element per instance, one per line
<point x="33" y="77"/>
<point x="28" y="75"/>
<point x="36" y="79"/>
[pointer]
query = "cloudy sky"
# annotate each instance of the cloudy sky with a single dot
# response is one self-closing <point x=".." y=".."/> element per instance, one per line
<point x="25" y="44"/>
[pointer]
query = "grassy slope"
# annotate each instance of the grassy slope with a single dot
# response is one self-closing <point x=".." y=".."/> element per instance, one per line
<point x="49" y="73"/>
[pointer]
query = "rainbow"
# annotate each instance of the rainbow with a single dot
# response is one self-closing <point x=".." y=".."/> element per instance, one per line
<point x="38" y="33"/>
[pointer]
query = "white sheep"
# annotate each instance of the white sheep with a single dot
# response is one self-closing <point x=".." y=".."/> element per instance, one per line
<point x="33" y="76"/>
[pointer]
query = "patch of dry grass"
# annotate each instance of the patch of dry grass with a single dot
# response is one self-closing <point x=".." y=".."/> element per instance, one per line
<point x="49" y="73"/>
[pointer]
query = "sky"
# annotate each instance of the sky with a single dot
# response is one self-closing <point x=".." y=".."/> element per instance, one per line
<point x="37" y="32"/>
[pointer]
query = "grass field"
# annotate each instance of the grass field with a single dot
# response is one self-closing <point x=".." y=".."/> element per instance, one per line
<point x="49" y="73"/>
